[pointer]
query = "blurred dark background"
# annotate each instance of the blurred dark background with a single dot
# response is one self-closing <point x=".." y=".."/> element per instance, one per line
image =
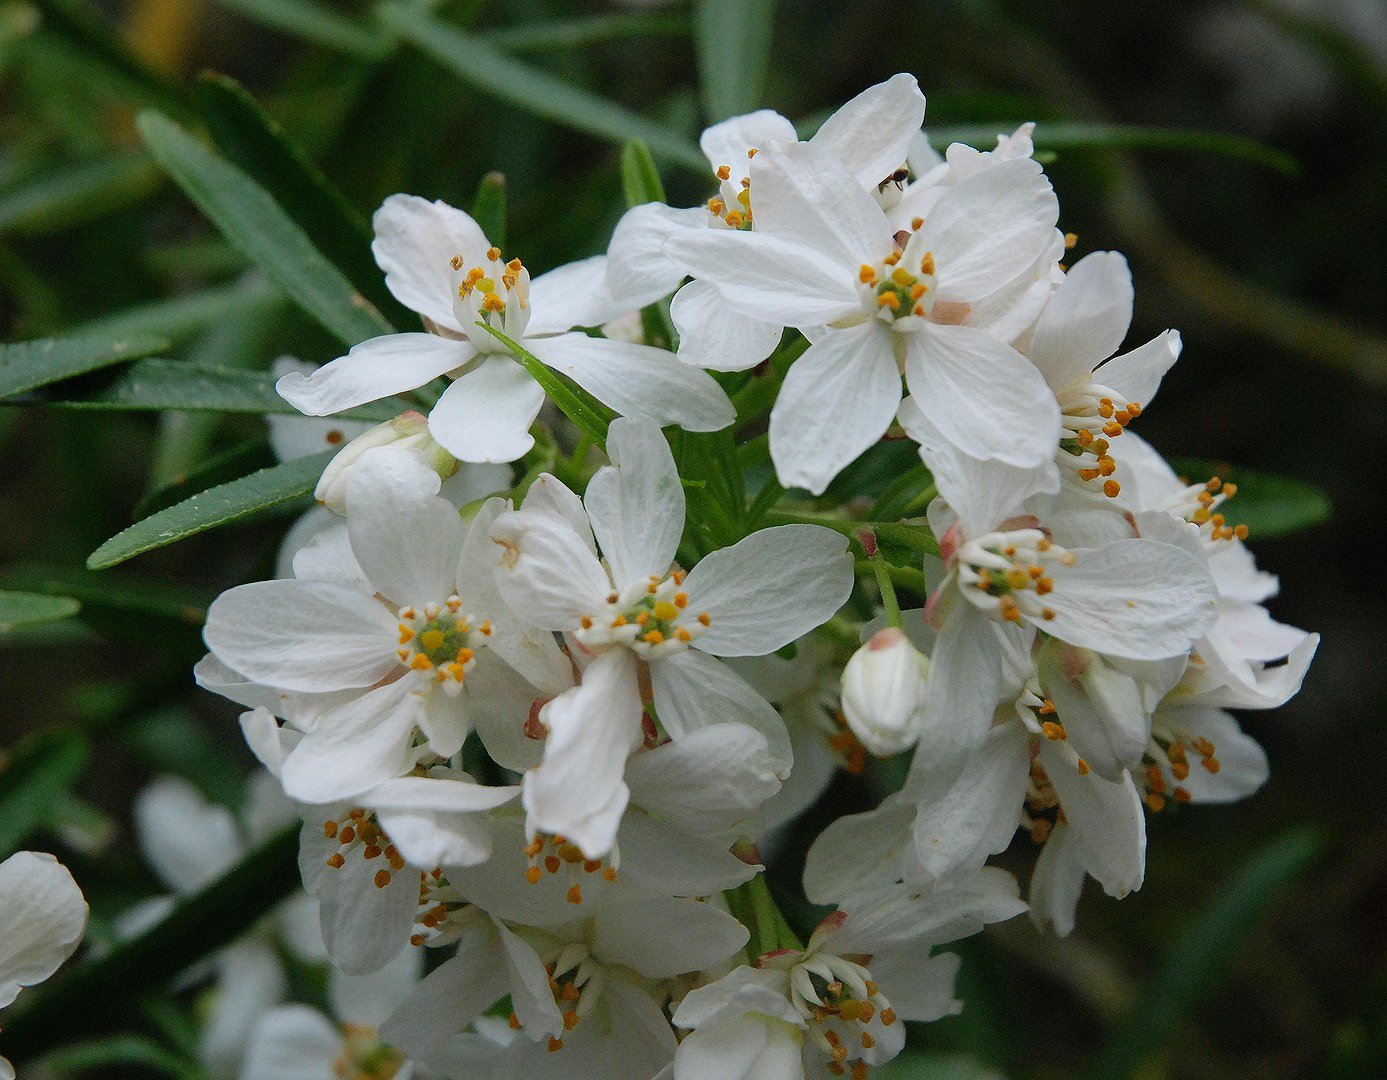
<point x="1276" y="278"/>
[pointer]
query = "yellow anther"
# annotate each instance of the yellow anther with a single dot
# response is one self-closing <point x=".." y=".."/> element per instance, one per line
<point x="665" y="611"/>
<point x="927" y="263"/>
<point x="652" y="637"/>
<point x="432" y="639"/>
<point x="724" y="172"/>
<point x="1070" y="239"/>
<point x="492" y="254"/>
<point x="866" y="274"/>
<point x="382" y="879"/>
<point x="420" y="662"/>
<point x="902" y="276"/>
<point x="1053" y="731"/>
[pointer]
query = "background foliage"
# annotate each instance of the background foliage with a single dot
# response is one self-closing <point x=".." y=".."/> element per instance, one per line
<point x="1230" y="147"/>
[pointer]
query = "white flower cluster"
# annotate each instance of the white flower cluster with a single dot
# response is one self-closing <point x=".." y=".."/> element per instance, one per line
<point x="541" y="734"/>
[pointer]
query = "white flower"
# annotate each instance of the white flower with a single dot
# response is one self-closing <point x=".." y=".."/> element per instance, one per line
<point x="825" y="256"/>
<point x="410" y="638"/>
<point x="581" y="993"/>
<point x="870" y="135"/>
<point x="293" y="437"/>
<point x="835" y="1006"/>
<point x="407" y="432"/>
<point x="637" y="621"/>
<point x="296" y="1042"/>
<point x="42" y="917"/>
<point x="884" y="689"/>
<point x="438" y="263"/>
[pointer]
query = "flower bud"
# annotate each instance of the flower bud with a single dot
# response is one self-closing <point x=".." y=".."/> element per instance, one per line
<point x="408" y="431"/>
<point x="883" y="689"/>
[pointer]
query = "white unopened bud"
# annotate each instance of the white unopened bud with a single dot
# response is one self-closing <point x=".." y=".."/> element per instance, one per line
<point x="408" y="431"/>
<point x="883" y="689"/>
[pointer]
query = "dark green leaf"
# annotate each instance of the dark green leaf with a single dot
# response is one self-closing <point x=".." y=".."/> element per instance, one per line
<point x="19" y="609"/>
<point x="126" y="595"/>
<point x="27" y="365"/>
<point x="171" y="742"/>
<point x="130" y="1050"/>
<point x="221" y="468"/>
<point x="104" y="992"/>
<point x="491" y="71"/>
<point x="255" y="223"/>
<point x="555" y="34"/>
<point x="1268" y="504"/>
<point x="1063" y="136"/>
<point x="183" y="316"/>
<point x="1203" y="953"/>
<point x="733" y="40"/>
<point x="68" y="195"/>
<point x="172" y="384"/>
<point x="33" y="780"/>
<point x="312" y="22"/>
<point x="251" y="139"/>
<point x="222" y="505"/>
<point x="639" y="177"/>
<point x="489" y="208"/>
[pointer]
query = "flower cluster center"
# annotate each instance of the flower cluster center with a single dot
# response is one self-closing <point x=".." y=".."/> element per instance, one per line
<point x="1007" y="573"/>
<point x="839" y="1000"/>
<point x="494" y="292"/>
<point x="1091" y="416"/>
<point x="359" y="833"/>
<point x="731" y="206"/>
<point x="442" y="639"/>
<point x="365" y="1057"/>
<point x="653" y="618"/>
<point x="554" y="854"/>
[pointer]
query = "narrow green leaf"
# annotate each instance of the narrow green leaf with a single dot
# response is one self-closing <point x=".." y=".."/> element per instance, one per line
<point x="1268" y="504"/>
<point x="19" y="609"/>
<point x="27" y="365"/>
<point x="733" y="42"/>
<point x="172" y="384"/>
<point x="252" y="140"/>
<point x="79" y="28"/>
<point x="317" y="24"/>
<point x="116" y="593"/>
<point x="129" y="1050"/>
<point x="220" y="468"/>
<point x="255" y="223"/>
<point x="33" y="780"/>
<point x="588" y="420"/>
<point x="552" y="35"/>
<point x="1203" y="953"/>
<point x="104" y="992"/>
<point x="639" y="177"/>
<point x="491" y="71"/>
<point x="68" y="195"/>
<point x="489" y="207"/>
<point x="222" y="505"/>
<point x="1077" y="136"/>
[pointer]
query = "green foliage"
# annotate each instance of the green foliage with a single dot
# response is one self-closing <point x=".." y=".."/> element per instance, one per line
<point x="21" y="609"/>
<point x="268" y="489"/>
<point x="733" y="38"/>
<point x="28" y="365"/>
<point x="32" y="781"/>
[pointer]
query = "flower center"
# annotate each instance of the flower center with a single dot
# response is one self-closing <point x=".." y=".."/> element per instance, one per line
<point x="1006" y="573"/>
<point x="442" y="912"/>
<point x="652" y="619"/>
<point x="555" y="854"/>
<point x="365" y="1057"/>
<point x="839" y="1001"/>
<point x="731" y="206"/>
<point x="576" y="982"/>
<point x="359" y="833"/>
<point x="1200" y="505"/>
<point x="1089" y="418"/>
<point x="496" y="293"/>
<point x="1167" y="766"/>
<point x="441" y="638"/>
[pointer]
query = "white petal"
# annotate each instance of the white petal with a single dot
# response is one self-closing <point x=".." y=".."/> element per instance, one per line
<point x="1085" y="320"/>
<point x="407" y="543"/>
<point x="1138" y="599"/>
<point x="836" y="401"/>
<point x="415" y="243"/>
<point x="636" y="504"/>
<point x="42" y="916"/>
<point x="919" y="986"/>
<point x="983" y="396"/>
<point x="955" y="906"/>
<point x="713" y="336"/>
<point x="637" y="380"/>
<point x="639" y="271"/>
<point x="1057" y="881"/>
<point x="1242" y="763"/>
<point x="773" y="278"/>
<point x="531" y="994"/>
<point x="743" y="989"/>
<point x="578" y="790"/>
<point x="803" y="192"/>
<point x="658" y="857"/>
<point x="770" y="588"/>
<point x="293" y="437"/>
<point x="368" y="1000"/>
<point x="1105" y="719"/>
<point x="744" y="1047"/>
<point x="436" y="821"/>
<point x="250" y="982"/>
<point x="984" y="493"/>
<point x="709" y="781"/>
<point x="485" y="416"/>
<point x="1137" y="375"/>
<point x="552" y="495"/>
<point x="694" y="690"/>
<point x="187" y="840"/>
<point x="548" y="572"/>
<point x="857" y="850"/>
<point x="872" y="133"/>
<point x="292" y="1043"/>
<point x="374" y="369"/>
<point x="452" y="995"/>
<point x="989" y="228"/>
<point x="302" y="635"/>
<point x="966" y="815"/>
<point x="574" y="294"/>
<point x="662" y="936"/>
<point x="356" y="746"/>
<point x="1108" y="821"/>
<point x="364" y="926"/>
<point x="727" y="142"/>
<point x="967" y="678"/>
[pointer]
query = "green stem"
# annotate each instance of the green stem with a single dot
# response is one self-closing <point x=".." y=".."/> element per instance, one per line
<point x="905" y="577"/>
<point x="772" y="930"/>
<point x="888" y="592"/>
<point x="891" y="531"/>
